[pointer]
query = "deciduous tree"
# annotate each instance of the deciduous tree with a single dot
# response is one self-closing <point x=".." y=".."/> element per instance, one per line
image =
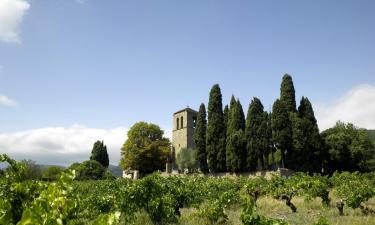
<point x="145" y="149"/>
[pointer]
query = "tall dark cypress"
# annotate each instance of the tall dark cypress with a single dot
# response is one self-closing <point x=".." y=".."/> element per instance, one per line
<point x="281" y="129"/>
<point x="235" y="142"/>
<point x="99" y="153"/>
<point x="200" y="139"/>
<point x="256" y="135"/>
<point x="307" y="142"/>
<point x="288" y="93"/>
<point x="231" y="107"/>
<point x="215" y="136"/>
<point x="226" y="117"/>
<point x="271" y="149"/>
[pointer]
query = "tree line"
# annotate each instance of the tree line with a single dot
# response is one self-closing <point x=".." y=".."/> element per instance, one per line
<point x="287" y="137"/>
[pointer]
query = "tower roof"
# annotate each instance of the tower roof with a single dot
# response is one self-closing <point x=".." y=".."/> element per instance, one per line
<point x="186" y="109"/>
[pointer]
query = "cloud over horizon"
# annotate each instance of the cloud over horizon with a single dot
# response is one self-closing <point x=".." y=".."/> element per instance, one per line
<point x="63" y="145"/>
<point x="11" y="16"/>
<point x="357" y="106"/>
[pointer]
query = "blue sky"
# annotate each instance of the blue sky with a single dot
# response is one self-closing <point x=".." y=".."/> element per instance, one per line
<point x="108" y="64"/>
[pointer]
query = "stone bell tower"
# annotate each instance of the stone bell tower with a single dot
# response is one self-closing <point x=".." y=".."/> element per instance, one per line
<point x="183" y="129"/>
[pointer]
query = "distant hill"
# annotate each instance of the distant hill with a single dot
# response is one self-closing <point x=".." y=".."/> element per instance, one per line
<point x="371" y="134"/>
<point x="116" y="170"/>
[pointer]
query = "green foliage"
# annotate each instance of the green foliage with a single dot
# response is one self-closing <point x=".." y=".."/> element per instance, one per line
<point x="354" y="189"/>
<point x="236" y="151"/>
<point x="321" y="221"/>
<point x="52" y="173"/>
<point x="33" y="171"/>
<point x="99" y="153"/>
<point x="200" y="139"/>
<point x="145" y="149"/>
<point x="281" y="129"/>
<point x="284" y="189"/>
<point x="348" y="148"/>
<point x="15" y="194"/>
<point x="54" y="205"/>
<point x="255" y="188"/>
<point x="215" y="210"/>
<point x="162" y="197"/>
<point x="250" y="216"/>
<point x="287" y="93"/>
<point x="215" y="136"/>
<point x="307" y="144"/>
<point x="236" y="120"/>
<point x="186" y="159"/>
<point x="314" y="186"/>
<point x="90" y="170"/>
<point x="257" y="135"/>
<point x="235" y="140"/>
<point x="108" y="219"/>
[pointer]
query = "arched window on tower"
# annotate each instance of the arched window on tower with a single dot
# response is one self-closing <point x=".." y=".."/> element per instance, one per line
<point x="182" y="122"/>
<point x="178" y="124"/>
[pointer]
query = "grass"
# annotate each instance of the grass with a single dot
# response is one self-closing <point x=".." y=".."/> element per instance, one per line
<point x="308" y="213"/>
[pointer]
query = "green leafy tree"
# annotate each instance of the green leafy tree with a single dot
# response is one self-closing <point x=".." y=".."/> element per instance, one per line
<point x="200" y="139"/>
<point x="348" y="148"/>
<point x="33" y="171"/>
<point x="90" y="170"/>
<point x="215" y="137"/>
<point x="100" y="154"/>
<point x="257" y="135"/>
<point x="186" y="159"/>
<point x="288" y="93"/>
<point x="145" y="149"/>
<point x="52" y="173"/>
<point x="281" y="129"/>
<point x="235" y="142"/>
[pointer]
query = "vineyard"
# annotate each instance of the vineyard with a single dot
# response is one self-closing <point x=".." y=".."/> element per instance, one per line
<point x="158" y="199"/>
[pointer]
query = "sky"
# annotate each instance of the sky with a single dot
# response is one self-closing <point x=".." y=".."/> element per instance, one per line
<point x="76" y="71"/>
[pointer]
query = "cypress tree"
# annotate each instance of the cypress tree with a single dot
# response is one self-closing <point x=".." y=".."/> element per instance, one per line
<point x="288" y="93"/>
<point x="234" y="145"/>
<point x="230" y="109"/>
<point x="236" y="151"/>
<point x="256" y="135"/>
<point x="99" y="153"/>
<point x="226" y="117"/>
<point x="215" y="136"/>
<point x="307" y="142"/>
<point x="271" y="149"/>
<point x="200" y="138"/>
<point x="281" y="129"/>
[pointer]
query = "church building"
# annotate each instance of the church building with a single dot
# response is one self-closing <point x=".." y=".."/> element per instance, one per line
<point x="184" y="122"/>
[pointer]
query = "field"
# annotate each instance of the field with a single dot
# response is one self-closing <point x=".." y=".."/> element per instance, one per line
<point x="158" y="199"/>
<point x="308" y="212"/>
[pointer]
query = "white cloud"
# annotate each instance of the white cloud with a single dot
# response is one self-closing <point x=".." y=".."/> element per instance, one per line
<point x="61" y="146"/>
<point x="4" y="100"/>
<point x="357" y="106"/>
<point x="80" y="1"/>
<point x="11" y="15"/>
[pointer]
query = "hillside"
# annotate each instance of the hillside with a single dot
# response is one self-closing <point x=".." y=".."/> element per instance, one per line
<point x="116" y="170"/>
<point x="371" y="134"/>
